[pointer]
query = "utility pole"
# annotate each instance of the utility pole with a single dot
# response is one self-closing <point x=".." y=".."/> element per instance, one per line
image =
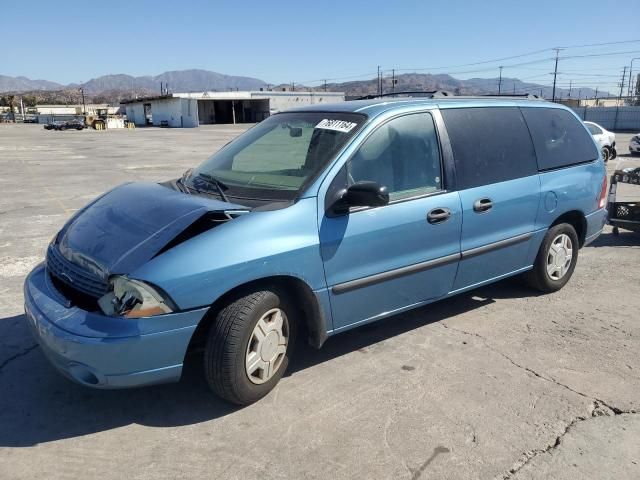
<point x="500" y="81"/>
<point x="293" y="86"/>
<point x="540" y="93"/>
<point x="514" y="88"/>
<point x="555" y="75"/>
<point x="624" y="74"/>
<point x="570" y="82"/>
<point x="325" y="85"/>
<point x="379" y="82"/>
<point x="393" y="80"/>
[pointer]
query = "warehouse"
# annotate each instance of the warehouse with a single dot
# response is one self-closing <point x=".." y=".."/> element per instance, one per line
<point x="193" y="109"/>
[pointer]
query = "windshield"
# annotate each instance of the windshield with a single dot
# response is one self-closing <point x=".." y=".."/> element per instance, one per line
<point x="279" y="156"/>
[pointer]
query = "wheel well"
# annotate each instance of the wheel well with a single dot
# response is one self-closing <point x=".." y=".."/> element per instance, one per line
<point x="298" y="293"/>
<point x="577" y="220"/>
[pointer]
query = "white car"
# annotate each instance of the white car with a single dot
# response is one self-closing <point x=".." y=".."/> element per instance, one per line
<point x="634" y="145"/>
<point x="605" y="139"/>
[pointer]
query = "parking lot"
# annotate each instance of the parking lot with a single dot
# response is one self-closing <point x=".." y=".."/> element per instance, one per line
<point x="496" y="383"/>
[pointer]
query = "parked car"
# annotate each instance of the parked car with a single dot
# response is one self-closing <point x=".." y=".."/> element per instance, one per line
<point x="51" y="125"/>
<point x="605" y="139"/>
<point x="634" y="145"/>
<point x="314" y="222"/>
<point x="74" y="124"/>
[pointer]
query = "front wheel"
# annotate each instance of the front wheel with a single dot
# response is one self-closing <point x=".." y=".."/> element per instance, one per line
<point x="556" y="259"/>
<point x="605" y="154"/>
<point x="249" y="346"/>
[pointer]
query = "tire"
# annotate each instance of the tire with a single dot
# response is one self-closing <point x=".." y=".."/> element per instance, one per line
<point x="615" y="231"/>
<point x="605" y="154"/>
<point x="539" y="277"/>
<point x="62" y="129"/>
<point x="232" y="342"/>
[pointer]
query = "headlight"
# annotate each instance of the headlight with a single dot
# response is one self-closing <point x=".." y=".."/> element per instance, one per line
<point x="133" y="299"/>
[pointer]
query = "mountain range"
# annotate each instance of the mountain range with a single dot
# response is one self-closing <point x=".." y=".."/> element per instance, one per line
<point x="181" y="80"/>
<point x="113" y="88"/>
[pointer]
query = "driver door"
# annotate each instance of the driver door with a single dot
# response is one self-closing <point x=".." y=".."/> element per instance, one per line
<point x="380" y="261"/>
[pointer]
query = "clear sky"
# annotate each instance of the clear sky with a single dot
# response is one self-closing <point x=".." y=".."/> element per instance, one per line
<point x="283" y="41"/>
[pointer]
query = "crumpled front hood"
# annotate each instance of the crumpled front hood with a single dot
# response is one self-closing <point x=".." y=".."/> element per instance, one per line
<point x="128" y="226"/>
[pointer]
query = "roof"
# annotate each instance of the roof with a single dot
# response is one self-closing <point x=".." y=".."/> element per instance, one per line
<point x="232" y="95"/>
<point x="376" y="106"/>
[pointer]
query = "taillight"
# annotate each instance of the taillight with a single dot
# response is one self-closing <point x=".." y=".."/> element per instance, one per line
<point x="603" y="193"/>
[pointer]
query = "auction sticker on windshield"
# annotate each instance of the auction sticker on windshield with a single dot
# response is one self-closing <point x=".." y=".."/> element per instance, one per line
<point x="338" y="125"/>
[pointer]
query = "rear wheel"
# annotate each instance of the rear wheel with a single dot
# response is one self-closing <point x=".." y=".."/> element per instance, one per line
<point x="556" y="259"/>
<point x="249" y="346"/>
<point x="605" y="154"/>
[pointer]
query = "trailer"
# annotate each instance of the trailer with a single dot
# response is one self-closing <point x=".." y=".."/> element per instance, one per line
<point x="624" y="214"/>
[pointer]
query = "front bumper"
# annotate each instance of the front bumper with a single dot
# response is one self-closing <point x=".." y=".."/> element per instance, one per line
<point x="106" y="352"/>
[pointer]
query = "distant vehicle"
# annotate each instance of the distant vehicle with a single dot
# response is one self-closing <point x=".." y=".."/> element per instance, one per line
<point x="66" y="125"/>
<point x="634" y="145"/>
<point x="69" y="125"/>
<point x="30" y="120"/>
<point x="605" y="139"/>
<point x="315" y="221"/>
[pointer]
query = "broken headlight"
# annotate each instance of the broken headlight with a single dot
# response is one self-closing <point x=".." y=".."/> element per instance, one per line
<point x="133" y="299"/>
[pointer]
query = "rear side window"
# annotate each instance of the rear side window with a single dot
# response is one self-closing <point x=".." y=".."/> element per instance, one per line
<point x="489" y="145"/>
<point x="593" y="129"/>
<point x="559" y="138"/>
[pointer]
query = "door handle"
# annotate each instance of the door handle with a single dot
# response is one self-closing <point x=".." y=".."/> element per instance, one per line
<point x="482" y="205"/>
<point x="438" y="215"/>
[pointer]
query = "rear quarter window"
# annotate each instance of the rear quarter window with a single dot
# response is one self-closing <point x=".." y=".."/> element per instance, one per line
<point x="559" y="138"/>
<point x="490" y="145"/>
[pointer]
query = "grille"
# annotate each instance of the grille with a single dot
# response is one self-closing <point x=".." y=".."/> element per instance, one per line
<point x="74" y="276"/>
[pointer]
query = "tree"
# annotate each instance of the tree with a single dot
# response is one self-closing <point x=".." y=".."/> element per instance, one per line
<point x="29" y="100"/>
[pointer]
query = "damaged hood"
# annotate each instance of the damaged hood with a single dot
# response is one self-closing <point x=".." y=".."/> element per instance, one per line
<point x="129" y="225"/>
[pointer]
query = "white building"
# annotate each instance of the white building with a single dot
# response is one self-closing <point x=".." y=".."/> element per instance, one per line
<point x="193" y="109"/>
<point x="89" y="108"/>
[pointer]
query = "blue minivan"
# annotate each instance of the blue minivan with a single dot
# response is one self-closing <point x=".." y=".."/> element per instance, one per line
<point x="313" y="222"/>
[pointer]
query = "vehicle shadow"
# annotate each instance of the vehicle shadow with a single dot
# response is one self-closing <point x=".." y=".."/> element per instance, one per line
<point x="624" y="239"/>
<point x="38" y="405"/>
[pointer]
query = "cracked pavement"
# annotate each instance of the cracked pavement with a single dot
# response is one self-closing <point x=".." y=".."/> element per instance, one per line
<point x="495" y="383"/>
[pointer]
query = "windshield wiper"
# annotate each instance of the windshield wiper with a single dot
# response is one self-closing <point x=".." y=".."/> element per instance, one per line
<point x="211" y="180"/>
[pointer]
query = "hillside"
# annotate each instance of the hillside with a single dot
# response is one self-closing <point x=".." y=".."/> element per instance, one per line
<point x="114" y="88"/>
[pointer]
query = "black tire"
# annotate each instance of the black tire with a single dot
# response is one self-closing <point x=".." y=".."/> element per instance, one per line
<point x="228" y="340"/>
<point x="615" y="231"/>
<point x="538" y="278"/>
<point x="605" y="154"/>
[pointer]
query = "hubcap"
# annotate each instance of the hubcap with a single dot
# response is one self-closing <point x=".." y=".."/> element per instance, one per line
<point x="559" y="257"/>
<point x="267" y="346"/>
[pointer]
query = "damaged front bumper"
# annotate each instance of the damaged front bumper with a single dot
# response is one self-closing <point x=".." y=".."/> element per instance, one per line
<point x="106" y="352"/>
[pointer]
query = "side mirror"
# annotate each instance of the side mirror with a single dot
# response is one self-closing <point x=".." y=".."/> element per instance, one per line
<point x="362" y="194"/>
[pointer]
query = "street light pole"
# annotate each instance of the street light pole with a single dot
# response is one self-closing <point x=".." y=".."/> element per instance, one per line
<point x="629" y="90"/>
<point x="500" y="81"/>
<point x="84" y="106"/>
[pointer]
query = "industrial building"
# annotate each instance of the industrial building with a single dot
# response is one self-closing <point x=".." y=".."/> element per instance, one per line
<point x="193" y="109"/>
